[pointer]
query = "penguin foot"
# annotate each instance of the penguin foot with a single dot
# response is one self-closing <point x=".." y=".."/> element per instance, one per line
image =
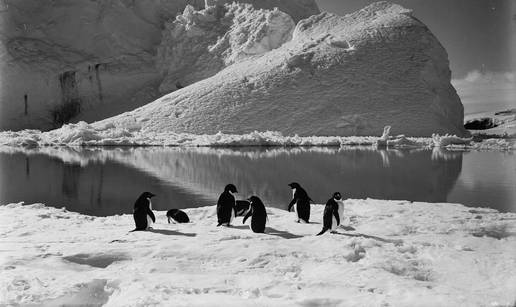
<point x="333" y="232"/>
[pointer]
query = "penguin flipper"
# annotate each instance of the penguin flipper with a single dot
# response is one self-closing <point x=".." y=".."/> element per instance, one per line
<point x="246" y="216"/>
<point x="151" y="214"/>
<point x="336" y="215"/>
<point x="325" y="229"/>
<point x="292" y="202"/>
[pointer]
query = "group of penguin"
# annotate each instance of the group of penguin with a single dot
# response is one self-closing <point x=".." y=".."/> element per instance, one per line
<point x="228" y="208"/>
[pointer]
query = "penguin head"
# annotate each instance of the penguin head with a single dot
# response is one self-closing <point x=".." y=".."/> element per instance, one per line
<point x="254" y="200"/>
<point x="230" y="188"/>
<point x="147" y="195"/>
<point x="294" y="185"/>
<point x="337" y="195"/>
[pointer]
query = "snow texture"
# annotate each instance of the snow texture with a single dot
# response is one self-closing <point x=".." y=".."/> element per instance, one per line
<point x="198" y="44"/>
<point x="344" y="76"/>
<point x="394" y="253"/>
<point x="83" y="134"/>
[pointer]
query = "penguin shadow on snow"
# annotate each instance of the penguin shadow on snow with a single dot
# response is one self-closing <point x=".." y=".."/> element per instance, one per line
<point x="97" y="260"/>
<point x="369" y="237"/>
<point x="238" y="227"/>
<point x="169" y="232"/>
<point x="280" y="233"/>
<point x="272" y="232"/>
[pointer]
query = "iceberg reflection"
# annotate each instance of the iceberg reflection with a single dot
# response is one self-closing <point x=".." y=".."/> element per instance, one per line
<point x="106" y="181"/>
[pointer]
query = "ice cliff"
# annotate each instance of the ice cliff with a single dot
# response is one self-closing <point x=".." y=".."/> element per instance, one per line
<point x="87" y="60"/>
<point x="349" y="75"/>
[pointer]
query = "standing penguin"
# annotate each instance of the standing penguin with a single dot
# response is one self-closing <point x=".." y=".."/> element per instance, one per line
<point x="258" y="215"/>
<point x="333" y="212"/>
<point x="302" y="201"/>
<point x="142" y="213"/>
<point x="226" y="206"/>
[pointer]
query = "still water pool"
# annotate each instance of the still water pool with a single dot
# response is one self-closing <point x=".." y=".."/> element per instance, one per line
<point x="100" y="181"/>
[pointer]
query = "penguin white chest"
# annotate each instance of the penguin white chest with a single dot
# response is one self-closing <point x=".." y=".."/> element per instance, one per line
<point x="293" y="195"/>
<point x="232" y="211"/>
<point x="149" y="219"/>
<point x="334" y="225"/>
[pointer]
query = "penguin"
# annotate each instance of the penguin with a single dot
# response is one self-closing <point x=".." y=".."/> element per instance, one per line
<point x="226" y="206"/>
<point x="242" y="207"/>
<point x="258" y="215"/>
<point x="333" y="212"/>
<point x="302" y="201"/>
<point x="142" y="213"/>
<point x="178" y="216"/>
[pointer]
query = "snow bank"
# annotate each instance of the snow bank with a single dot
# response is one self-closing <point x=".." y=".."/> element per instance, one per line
<point x="344" y="76"/>
<point x="83" y="134"/>
<point x="390" y="253"/>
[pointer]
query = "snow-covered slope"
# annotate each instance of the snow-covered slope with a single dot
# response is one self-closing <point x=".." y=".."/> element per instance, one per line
<point x="399" y="254"/>
<point x="502" y="123"/>
<point x="348" y="75"/>
<point x="198" y="44"/>
<point x="88" y="60"/>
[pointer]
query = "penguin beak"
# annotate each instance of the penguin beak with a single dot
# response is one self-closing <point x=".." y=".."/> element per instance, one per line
<point x="152" y="195"/>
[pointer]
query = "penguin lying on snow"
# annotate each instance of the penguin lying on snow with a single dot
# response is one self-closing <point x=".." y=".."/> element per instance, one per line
<point x="258" y="215"/>
<point x="301" y="200"/>
<point x="177" y="216"/>
<point x="333" y="212"/>
<point x="242" y="207"/>
<point x="142" y="213"/>
<point x="226" y="206"/>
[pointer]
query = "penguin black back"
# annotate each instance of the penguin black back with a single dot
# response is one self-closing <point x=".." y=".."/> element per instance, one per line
<point x="331" y="210"/>
<point x="226" y="205"/>
<point x="142" y="200"/>
<point x="258" y="215"/>
<point x="242" y="207"/>
<point x="142" y="210"/>
<point x="302" y="202"/>
<point x="179" y="216"/>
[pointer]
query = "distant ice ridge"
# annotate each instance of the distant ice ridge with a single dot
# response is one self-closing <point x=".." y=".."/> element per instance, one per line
<point x="83" y="134"/>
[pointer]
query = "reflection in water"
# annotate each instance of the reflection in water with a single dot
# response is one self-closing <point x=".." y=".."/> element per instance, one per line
<point x="107" y="181"/>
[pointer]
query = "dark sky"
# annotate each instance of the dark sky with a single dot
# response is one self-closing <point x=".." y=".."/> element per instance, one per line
<point x="478" y="34"/>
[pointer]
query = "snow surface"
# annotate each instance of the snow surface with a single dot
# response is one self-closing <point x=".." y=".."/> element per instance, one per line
<point x="399" y="254"/>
